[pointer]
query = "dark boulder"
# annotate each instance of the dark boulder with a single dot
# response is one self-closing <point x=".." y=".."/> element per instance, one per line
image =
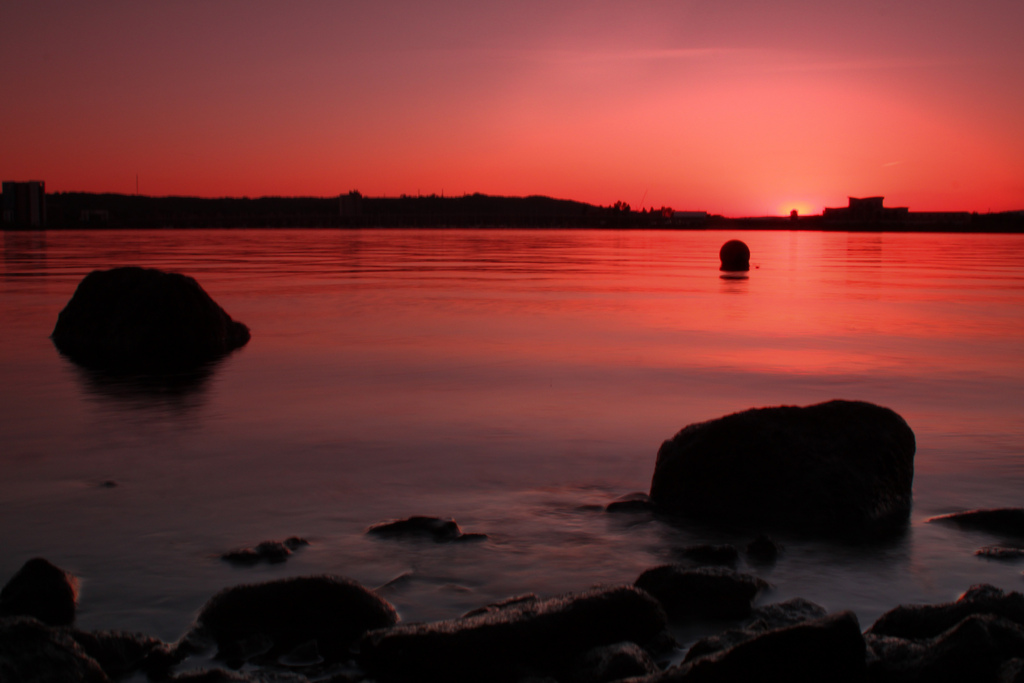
<point x="978" y="648"/>
<point x="827" y="649"/>
<point x="274" y="618"/>
<point x="833" y="468"/>
<point x="33" y="651"/>
<point x="119" y="653"/>
<point x="735" y="256"/>
<point x="142" y="319"/>
<point x="509" y="643"/>
<point x="929" y="621"/>
<point x="41" y="590"/>
<point x="998" y="521"/>
<point x="429" y="528"/>
<point x="762" y="619"/>
<point x="701" y="593"/>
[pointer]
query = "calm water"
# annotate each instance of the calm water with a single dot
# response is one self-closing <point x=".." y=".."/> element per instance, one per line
<point x="515" y="380"/>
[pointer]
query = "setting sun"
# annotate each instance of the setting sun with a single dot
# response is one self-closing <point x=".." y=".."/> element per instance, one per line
<point x="802" y="208"/>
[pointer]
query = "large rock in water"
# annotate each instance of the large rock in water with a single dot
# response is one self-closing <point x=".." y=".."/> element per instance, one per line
<point x="144" y="319"/>
<point x="833" y="468"/>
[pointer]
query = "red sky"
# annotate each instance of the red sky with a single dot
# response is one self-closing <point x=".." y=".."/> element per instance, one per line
<point x="738" y="107"/>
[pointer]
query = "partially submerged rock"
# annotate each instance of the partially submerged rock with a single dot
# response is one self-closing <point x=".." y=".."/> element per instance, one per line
<point x="638" y="501"/>
<point x="275" y="617"/>
<point x="273" y="552"/>
<point x="42" y="590"/>
<point x="701" y="593"/>
<point x="144" y="319"/>
<point x="997" y="552"/>
<point x="998" y="521"/>
<point x="831" y="468"/>
<point x="429" y="528"/>
<point x="526" y="637"/>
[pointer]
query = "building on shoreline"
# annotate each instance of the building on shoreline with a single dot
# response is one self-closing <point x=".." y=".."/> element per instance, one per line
<point x="866" y="210"/>
<point x="24" y="204"/>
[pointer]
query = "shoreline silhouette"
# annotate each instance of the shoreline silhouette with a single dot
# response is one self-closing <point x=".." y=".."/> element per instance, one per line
<point x="83" y="210"/>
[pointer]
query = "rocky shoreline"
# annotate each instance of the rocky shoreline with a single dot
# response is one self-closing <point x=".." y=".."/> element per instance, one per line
<point x="329" y="628"/>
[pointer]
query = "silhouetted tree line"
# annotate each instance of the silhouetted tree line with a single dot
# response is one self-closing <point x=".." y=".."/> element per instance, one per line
<point x="68" y="210"/>
<point x="86" y="210"/>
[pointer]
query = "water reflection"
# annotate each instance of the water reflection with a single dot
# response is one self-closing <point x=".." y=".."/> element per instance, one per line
<point x="24" y="253"/>
<point x="177" y="392"/>
<point x="734" y="283"/>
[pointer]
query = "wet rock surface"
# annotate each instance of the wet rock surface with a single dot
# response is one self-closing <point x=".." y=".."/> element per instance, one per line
<point x="638" y="501"/>
<point x="332" y="629"/>
<point x="928" y="621"/>
<point x="1007" y="522"/>
<point x="33" y="651"/>
<point x="761" y="620"/>
<point x="703" y="592"/>
<point x="995" y="552"/>
<point x="516" y="640"/>
<point x="835" y="468"/>
<point x="146" y="320"/>
<point x="977" y="638"/>
<point x="273" y="552"/>
<point x="827" y="649"/>
<point x="421" y="527"/>
<point x="273" y="618"/>
<point x="42" y="590"/>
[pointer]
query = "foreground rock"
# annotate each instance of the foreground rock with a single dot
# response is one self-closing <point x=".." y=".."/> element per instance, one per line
<point x="272" y="619"/>
<point x="41" y="590"/>
<point x="763" y="619"/>
<point x="429" y="528"/>
<point x="701" y="593"/>
<point x="521" y="638"/>
<point x="928" y="621"/>
<point x="142" y="319"/>
<point x="827" y="649"/>
<point x="32" y="651"/>
<point x="833" y="468"/>
<point x="979" y="637"/>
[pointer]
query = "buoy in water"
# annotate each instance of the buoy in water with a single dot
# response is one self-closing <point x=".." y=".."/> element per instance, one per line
<point x="735" y="256"/>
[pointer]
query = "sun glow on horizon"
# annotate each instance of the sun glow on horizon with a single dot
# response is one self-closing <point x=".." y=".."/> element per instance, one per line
<point x="802" y="208"/>
<point x="657" y="104"/>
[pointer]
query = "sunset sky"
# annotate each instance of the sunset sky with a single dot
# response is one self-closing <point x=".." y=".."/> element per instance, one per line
<point x="738" y="107"/>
